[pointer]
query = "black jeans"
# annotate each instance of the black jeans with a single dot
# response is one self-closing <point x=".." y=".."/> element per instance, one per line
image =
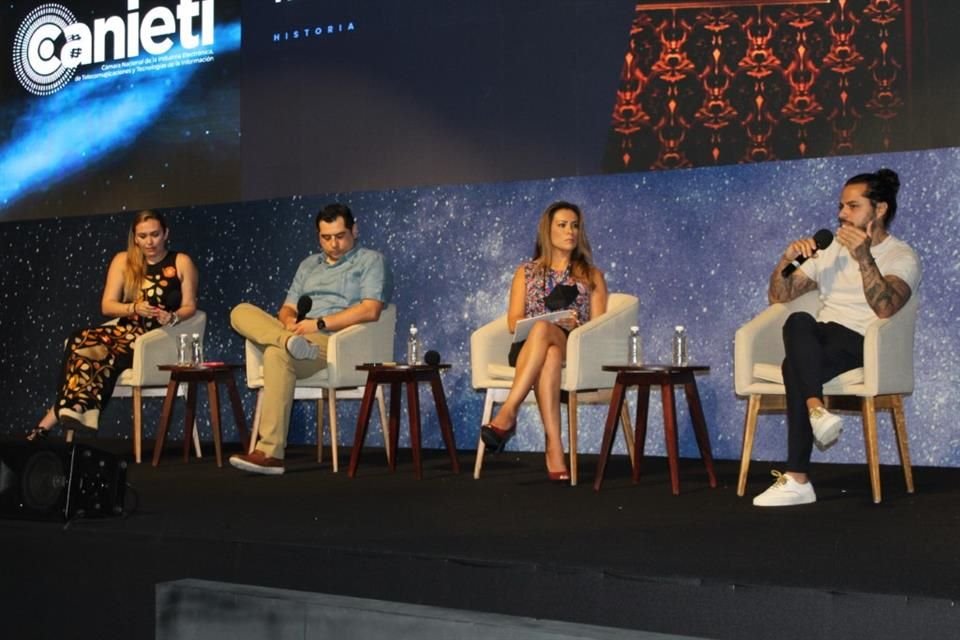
<point x="815" y="353"/>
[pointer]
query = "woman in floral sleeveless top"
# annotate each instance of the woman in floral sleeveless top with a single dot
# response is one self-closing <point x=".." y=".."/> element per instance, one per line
<point x="147" y="287"/>
<point x="561" y="276"/>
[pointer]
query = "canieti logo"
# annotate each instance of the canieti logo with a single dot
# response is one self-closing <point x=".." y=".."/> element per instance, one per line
<point x="50" y="44"/>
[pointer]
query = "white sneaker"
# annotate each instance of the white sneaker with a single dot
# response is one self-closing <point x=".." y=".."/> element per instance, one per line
<point x="302" y="349"/>
<point x="785" y="492"/>
<point x="826" y="427"/>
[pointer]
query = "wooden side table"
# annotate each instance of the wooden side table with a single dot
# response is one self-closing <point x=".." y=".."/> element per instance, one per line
<point x="666" y="377"/>
<point x="396" y="376"/>
<point x="212" y="375"/>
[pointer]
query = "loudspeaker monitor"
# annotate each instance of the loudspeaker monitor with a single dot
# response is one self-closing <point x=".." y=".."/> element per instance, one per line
<point x="60" y="482"/>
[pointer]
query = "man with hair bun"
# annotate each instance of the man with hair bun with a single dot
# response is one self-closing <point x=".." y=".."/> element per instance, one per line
<point x="866" y="274"/>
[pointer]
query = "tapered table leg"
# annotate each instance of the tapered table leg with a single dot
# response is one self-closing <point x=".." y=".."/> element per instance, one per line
<point x="363" y="419"/>
<point x="413" y="409"/>
<point x="640" y="429"/>
<point x="237" y="406"/>
<point x="700" y="428"/>
<point x="670" y="434"/>
<point x="609" y="432"/>
<point x="213" y="396"/>
<point x="164" y="420"/>
<point x="395" y="390"/>
<point x="443" y="417"/>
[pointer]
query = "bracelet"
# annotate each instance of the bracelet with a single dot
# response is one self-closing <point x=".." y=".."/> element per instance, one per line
<point x="133" y="308"/>
<point x="174" y="319"/>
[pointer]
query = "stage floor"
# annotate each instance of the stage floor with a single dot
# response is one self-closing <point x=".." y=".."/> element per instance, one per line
<point x="705" y="563"/>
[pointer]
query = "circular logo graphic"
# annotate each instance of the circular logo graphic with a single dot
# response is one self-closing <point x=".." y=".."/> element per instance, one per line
<point x="35" y="48"/>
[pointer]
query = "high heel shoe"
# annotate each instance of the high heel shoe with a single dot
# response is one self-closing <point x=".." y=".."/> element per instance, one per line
<point x="496" y="438"/>
<point x="559" y="477"/>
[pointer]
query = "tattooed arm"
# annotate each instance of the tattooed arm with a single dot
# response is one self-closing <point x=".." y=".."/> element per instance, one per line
<point x="885" y="294"/>
<point x="783" y="289"/>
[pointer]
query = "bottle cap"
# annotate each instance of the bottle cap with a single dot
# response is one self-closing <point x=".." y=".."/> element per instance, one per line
<point x="679" y="327"/>
<point x="634" y="329"/>
<point x="413" y="330"/>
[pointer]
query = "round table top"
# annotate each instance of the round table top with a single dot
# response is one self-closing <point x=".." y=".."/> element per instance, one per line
<point x="655" y="367"/>
<point x="206" y="366"/>
<point x="399" y="366"/>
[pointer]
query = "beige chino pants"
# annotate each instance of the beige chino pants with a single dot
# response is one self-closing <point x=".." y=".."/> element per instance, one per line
<point x="280" y="372"/>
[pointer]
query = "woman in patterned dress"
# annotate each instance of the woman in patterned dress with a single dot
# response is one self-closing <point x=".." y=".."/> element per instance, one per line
<point x="561" y="276"/>
<point x="147" y="287"/>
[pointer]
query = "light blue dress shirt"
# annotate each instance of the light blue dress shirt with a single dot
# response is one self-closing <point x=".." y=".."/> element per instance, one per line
<point x="360" y="274"/>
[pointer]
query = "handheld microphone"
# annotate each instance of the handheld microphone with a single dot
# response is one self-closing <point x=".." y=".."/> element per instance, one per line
<point x="304" y="304"/>
<point x="432" y="358"/>
<point x="822" y="238"/>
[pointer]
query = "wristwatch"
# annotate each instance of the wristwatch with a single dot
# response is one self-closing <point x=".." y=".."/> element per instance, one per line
<point x="321" y="325"/>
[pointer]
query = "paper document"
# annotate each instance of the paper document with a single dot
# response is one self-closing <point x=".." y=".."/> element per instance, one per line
<point x="524" y="326"/>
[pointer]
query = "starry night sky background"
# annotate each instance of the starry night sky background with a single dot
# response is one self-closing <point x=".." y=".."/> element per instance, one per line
<point x="696" y="246"/>
<point x="361" y="115"/>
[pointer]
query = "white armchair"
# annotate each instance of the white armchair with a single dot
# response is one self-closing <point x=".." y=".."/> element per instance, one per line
<point x="886" y="376"/>
<point x="601" y="341"/>
<point x="144" y="380"/>
<point x="339" y="380"/>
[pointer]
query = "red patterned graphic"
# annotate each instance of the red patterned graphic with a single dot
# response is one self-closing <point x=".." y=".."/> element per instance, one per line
<point x="721" y="82"/>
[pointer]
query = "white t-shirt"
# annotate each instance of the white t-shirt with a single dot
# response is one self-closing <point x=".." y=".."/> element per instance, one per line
<point x="837" y="276"/>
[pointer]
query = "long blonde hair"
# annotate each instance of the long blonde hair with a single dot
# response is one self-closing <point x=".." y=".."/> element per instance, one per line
<point x="581" y="261"/>
<point x="136" y="268"/>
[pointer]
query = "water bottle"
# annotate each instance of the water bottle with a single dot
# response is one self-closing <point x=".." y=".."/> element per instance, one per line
<point x="184" y="350"/>
<point x="413" y="347"/>
<point x="633" y="346"/>
<point x="679" y="346"/>
<point x="197" y="350"/>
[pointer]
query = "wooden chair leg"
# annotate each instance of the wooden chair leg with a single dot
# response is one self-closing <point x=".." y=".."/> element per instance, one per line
<point x="196" y="433"/>
<point x="481" y="447"/>
<point x="137" y="423"/>
<point x="903" y="446"/>
<point x="382" y="407"/>
<point x="196" y="440"/>
<point x="749" y="430"/>
<point x="572" y="435"/>
<point x="869" y="411"/>
<point x="255" y="427"/>
<point x="320" y="429"/>
<point x="332" y="410"/>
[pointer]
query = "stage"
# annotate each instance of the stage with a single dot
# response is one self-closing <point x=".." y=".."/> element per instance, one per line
<point x="704" y="563"/>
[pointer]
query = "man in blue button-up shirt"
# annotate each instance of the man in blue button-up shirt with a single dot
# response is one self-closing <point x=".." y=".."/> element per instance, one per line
<point x="343" y="286"/>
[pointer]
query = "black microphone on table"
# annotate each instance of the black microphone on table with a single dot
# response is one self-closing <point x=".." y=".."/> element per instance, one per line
<point x="822" y="238"/>
<point x="432" y="358"/>
<point x="304" y="304"/>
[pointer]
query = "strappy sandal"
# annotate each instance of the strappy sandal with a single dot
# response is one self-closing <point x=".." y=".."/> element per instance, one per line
<point x="37" y="434"/>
